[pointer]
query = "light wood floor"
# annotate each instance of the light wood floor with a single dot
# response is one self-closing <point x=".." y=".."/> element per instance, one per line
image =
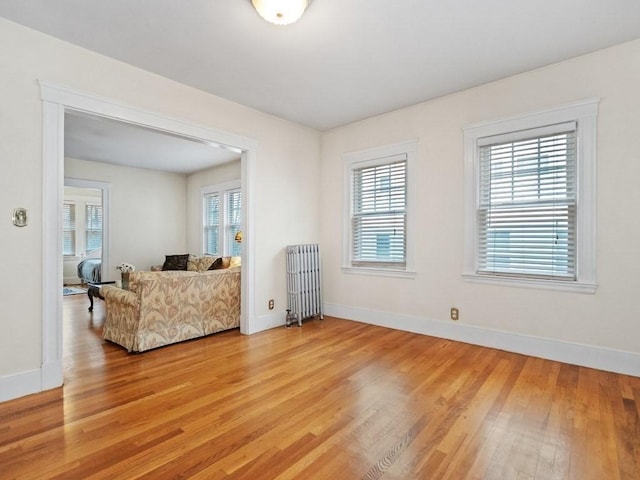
<point x="331" y="400"/>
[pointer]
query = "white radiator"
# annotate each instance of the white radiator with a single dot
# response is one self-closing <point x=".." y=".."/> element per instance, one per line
<point x="304" y="290"/>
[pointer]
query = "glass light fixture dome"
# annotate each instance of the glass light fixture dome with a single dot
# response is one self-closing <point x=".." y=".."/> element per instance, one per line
<point x="280" y="12"/>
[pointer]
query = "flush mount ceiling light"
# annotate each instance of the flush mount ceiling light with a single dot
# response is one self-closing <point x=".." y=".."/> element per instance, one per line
<point x="280" y="12"/>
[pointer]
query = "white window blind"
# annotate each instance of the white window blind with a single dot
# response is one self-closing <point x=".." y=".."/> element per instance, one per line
<point x="379" y="212"/>
<point x="69" y="229"/>
<point x="527" y="204"/>
<point x="233" y="221"/>
<point x="212" y="224"/>
<point x="93" y="227"/>
<point x="222" y="219"/>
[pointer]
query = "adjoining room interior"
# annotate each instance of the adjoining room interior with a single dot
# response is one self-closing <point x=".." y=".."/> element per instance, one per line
<point x="157" y="175"/>
<point x="153" y="183"/>
<point x="467" y="171"/>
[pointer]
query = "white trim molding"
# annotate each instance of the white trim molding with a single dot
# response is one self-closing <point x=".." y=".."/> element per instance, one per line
<point x="56" y="100"/>
<point x="591" y="356"/>
<point x="21" y="384"/>
<point x="52" y="197"/>
<point x="379" y="272"/>
<point x="271" y="320"/>
<point x="584" y="113"/>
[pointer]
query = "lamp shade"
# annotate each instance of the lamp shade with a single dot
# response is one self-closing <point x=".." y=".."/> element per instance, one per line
<point x="280" y="12"/>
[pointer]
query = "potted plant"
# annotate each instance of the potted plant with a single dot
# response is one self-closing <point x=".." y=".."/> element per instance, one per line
<point x="125" y="270"/>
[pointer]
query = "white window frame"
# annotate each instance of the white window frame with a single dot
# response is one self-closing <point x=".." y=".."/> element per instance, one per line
<point x="75" y="254"/>
<point x="372" y="157"/>
<point x="80" y="231"/>
<point x="584" y="113"/>
<point x="221" y="189"/>
<point x="86" y="229"/>
<point x="229" y="227"/>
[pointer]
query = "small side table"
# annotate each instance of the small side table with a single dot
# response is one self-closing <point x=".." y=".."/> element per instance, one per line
<point x="94" y="291"/>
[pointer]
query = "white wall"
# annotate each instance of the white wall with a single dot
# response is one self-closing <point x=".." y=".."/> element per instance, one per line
<point x="212" y="176"/>
<point x="287" y="166"/>
<point x="607" y="319"/>
<point x="147" y="212"/>
<point x="291" y="184"/>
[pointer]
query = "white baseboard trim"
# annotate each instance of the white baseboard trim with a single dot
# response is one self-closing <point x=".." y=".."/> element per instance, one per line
<point x="20" y="384"/>
<point x="52" y="376"/>
<point x="32" y="381"/>
<point x="618" y="361"/>
<point x="271" y="320"/>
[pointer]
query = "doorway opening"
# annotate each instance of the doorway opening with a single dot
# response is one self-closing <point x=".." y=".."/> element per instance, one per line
<point x="57" y="101"/>
<point x="85" y="242"/>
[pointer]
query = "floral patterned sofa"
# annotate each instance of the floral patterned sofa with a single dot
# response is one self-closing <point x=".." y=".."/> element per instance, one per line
<point x="166" y="307"/>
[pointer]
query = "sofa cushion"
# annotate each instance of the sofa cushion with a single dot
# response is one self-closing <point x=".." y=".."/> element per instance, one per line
<point x="199" y="263"/>
<point x="220" y="263"/>
<point x="176" y="262"/>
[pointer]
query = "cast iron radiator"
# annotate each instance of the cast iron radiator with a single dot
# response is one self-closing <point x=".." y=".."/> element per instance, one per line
<point x="304" y="289"/>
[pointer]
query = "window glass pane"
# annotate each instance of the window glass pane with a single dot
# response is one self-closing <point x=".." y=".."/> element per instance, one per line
<point x="234" y="222"/>
<point x="93" y="228"/>
<point x="527" y="209"/>
<point x="69" y="229"/>
<point x="222" y="221"/>
<point x="379" y="214"/>
<point x="211" y="224"/>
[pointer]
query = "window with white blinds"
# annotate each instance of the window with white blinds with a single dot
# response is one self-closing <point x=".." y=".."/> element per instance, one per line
<point x="93" y="224"/>
<point x="530" y="199"/>
<point x="527" y="204"/>
<point x="222" y="219"/>
<point x="211" y="224"/>
<point x="379" y="213"/>
<point x="233" y="222"/>
<point x="69" y="229"/>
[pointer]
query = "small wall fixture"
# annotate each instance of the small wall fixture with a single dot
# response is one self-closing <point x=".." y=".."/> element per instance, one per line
<point x="20" y="218"/>
<point x="280" y="12"/>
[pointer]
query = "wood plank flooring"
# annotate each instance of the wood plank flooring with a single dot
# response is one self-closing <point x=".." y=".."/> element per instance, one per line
<point x="331" y="400"/>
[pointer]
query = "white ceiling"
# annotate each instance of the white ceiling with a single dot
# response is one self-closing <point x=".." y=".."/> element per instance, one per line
<point x="346" y="59"/>
<point x="103" y="140"/>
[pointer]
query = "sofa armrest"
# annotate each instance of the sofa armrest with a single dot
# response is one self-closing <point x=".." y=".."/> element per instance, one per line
<point x="118" y="295"/>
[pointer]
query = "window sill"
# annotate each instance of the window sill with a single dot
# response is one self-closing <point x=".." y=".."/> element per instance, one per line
<point x="558" y="285"/>
<point x="379" y="272"/>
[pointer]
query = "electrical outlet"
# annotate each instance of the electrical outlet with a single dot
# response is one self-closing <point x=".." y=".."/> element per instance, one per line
<point x="271" y="304"/>
<point x="454" y="313"/>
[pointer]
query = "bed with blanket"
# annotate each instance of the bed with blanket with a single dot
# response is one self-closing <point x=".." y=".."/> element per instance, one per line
<point x="89" y="270"/>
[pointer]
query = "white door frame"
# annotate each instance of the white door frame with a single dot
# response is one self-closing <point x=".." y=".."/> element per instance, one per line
<point x="56" y="100"/>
